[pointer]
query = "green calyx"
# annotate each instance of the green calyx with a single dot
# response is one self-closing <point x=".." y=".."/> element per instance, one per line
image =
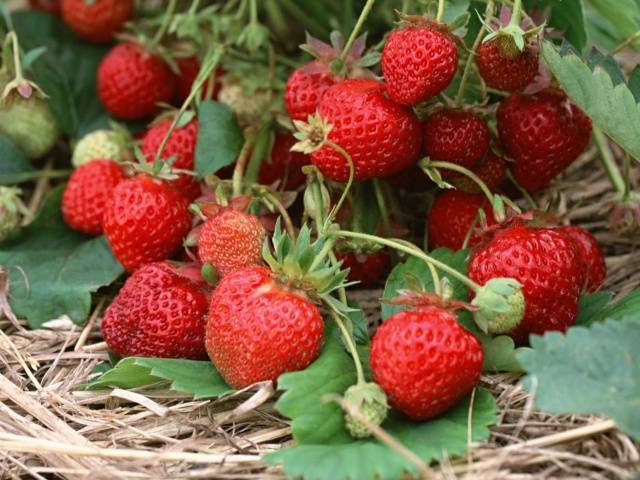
<point x="302" y="264"/>
<point x="370" y="402"/>
<point x="500" y="305"/>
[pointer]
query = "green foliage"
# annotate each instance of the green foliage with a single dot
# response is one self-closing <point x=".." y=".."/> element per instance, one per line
<point x="629" y="306"/>
<point x="325" y="451"/>
<point x="197" y="378"/>
<point x="613" y="109"/>
<point x="592" y="370"/>
<point x="219" y="138"/>
<point x="590" y="307"/>
<point x="66" y="72"/>
<point x="621" y="18"/>
<point x="53" y="269"/>
<point x="566" y="17"/>
<point x="14" y="165"/>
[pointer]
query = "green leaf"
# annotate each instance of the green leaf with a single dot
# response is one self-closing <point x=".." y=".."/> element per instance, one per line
<point x="197" y="378"/>
<point x="592" y="370"/>
<point x="622" y="15"/>
<point x="66" y="72"/>
<point x="590" y="306"/>
<point x="634" y="83"/>
<point x="500" y="353"/>
<point x="414" y="268"/>
<point x="628" y="306"/>
<point x="567" y="16"/>
<point x="53" y="269"/>
<point x="219" y="138"/>
<point x="14" y="165"/>
<point x="368" y="459"/>
<point x="613" y="109"/>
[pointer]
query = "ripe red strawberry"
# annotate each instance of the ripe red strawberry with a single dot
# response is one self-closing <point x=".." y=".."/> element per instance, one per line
<point x="49" y="6"/>
<point x="284" y="165"/>
<point x="259" y="329"/>
<point x="452" y="215"/>
<point x="545" y="261"/>
<point x="96" y="21"/>
<point x="231" y="240"/>
<point x="158" y="313"/>
<point x="506" y="69"/>
<point x="131" y="82"/>
<point x="382" y="138"/>
<point x="145" y="221"/>
<point x="87" y="193"/>
<point x="181" y="145"/>
<point x="455" y="136"/>
<point x="305" y="87"/>
<point x="590" y="255"/>
<point x="492" y="170"/>
<point x="544" y="133"/>
<point x="189" y="68"/>
<point x="418" y="63"/>
<point x="367" y="268"/>
<point x="425" y="361"/>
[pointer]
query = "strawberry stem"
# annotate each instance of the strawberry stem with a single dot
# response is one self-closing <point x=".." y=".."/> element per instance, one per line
<point x="382" y="205"/>
<point x="529" y="199"/>
<point x="440" y="13"/>
<point x="241" y="163"/>
<point x="356" y="30"/>
<point x="488" y="13"/>
<point x="609" y="163"/>
<point x="348" y="340"/>
<point x="516" y="14"/>
<point x="415" y="251"/>
<point x="466" y="172"/>
<point x="334" y="211"/>
<point x="166" y="20"/>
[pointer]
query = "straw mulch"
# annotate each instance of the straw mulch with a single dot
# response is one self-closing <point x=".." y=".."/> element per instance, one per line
<point x="48" y="429"/>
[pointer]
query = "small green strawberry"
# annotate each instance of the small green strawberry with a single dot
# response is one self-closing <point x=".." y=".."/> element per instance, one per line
<point x="104" y="145"/>
<point x="11" y="211"/>
<point x="370" y="401"/>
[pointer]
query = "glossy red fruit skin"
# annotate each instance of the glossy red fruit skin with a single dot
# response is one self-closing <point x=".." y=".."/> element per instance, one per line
<point x="189" y="68"/>
<point x="502" y="73"/>
<point x="492" y="170"/>
<point x="544" y="133"/>
<point x="131" y="82"/>
<point x="546" y="263"/>
<point x="285" y="166"/>
<point x="88" y="191"/>
<point x="382" y="138"/>
<point x="455" y="136"/>
<point x="157" y="313"/>
<point x="367" y="268"/>
<point x="452" y="215"/>
<point x="304" y="89"/>
<point x="417" y="64"/>
<point x="425" y="361"/>
<point x="257" y="330"/>
<point x="182" y="145"/>
<point x="590" y="255"/>
<point x="145" y="221"/>
<point x="99" y="21"/>
<point x="49" y="6"/>
<point x="231" y="240"/>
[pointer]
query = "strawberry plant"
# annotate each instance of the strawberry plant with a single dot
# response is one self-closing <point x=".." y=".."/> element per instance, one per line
<point x="382" y="228"/>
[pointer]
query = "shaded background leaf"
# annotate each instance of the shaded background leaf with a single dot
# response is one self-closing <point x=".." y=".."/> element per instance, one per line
<point x="219" y="138"/>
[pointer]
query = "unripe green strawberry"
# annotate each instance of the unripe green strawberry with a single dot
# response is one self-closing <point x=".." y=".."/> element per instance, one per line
<point x="368" y="399"/>
<point x="102" y="144"/>
<point x="247" y="107"/>
<point x="11" y="209"/>
<point x="28" y="123"/>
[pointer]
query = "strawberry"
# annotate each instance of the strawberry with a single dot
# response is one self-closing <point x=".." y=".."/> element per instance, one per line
<point x="231" y="240"/>
<point x="546" y="263"/>
<point x="418" y="62"/>
<point x="145" y="221"/>
<point x="259" y="328"/>
<point x="491" y="170"/>
<point x="425" y="361"/>
<point x="189" y="68"/>
<point x="12" y="210"/>
<point x="131" y="82"/>
<point x="102" y="144"/>
<point x="382" y="138"/>
<point x="506" y="68"/>
<point x="49" y="6"/>
<point x="590" y="255"/>
<point x="87" y="193"/>
<point x="366" y="268"/>
<point x="158" y="313"/>
<point x="544" y="133"/>
<point x="455" y="136"/>
<point x="96" y="21"/>
<point x="452" y="215"/>
<point x="181" y="145"/>
<point x="305" y="87"/>
<point x="284" y="166"/>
